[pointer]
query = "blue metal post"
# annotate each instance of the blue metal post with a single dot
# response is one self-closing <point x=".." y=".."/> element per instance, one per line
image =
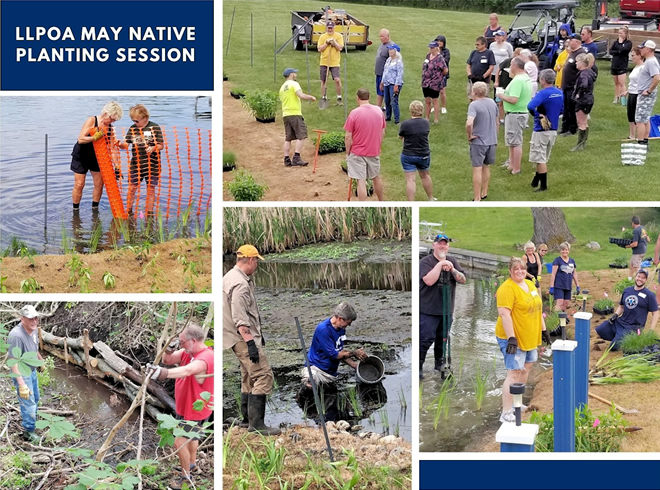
<point x="563" y="362"/>
<point x="582" y="336"/>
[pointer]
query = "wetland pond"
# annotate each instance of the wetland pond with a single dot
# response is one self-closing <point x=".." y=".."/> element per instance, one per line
<point x="41" y="227"/>
<point x="458" y="425"/>
<point x="375" y="277"/>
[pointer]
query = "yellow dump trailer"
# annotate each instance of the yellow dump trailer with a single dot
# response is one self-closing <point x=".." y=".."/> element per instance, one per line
<point x="309" y="25"/>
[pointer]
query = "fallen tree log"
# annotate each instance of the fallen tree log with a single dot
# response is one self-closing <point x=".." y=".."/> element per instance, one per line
<point x="78" y="362"/>
<point x="51" y="339"/>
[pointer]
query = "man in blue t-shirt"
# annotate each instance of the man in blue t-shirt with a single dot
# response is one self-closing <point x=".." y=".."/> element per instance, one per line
<point x="630" y="316"/>
<point x="587" y="41"/>
<point x="546" y="107"/>
<point x="327" y="349"/>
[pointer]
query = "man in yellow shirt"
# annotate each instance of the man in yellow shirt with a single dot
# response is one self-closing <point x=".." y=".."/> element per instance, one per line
<point x="295" y="128"/>
<point x="330" y="45"/>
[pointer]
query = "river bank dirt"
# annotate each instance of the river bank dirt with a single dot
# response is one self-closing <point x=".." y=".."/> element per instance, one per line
<point x="644" y="397"/>
<point x="178" y="266"/>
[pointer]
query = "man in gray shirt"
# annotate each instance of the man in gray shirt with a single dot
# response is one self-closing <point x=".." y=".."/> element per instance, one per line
<point x="647" y="88"/>
<point x="23" y="343"/>
<point x="639" y="243"/>
<point x="381" y="57"/>
<point x="481" y="128"/>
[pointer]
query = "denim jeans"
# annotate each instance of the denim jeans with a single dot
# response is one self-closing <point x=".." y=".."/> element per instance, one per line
<point x="392" y="102"/>
<point x="29" y="407"/>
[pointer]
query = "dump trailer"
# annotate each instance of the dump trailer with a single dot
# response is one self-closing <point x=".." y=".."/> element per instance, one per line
<point x="309" y="25"/>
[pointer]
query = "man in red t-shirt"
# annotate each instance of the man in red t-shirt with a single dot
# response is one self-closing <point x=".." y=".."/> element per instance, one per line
<point x="365" y="129"/>
<point x="193" y="377"/>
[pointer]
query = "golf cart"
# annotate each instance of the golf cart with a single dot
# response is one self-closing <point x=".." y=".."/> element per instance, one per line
<point x="537" y="23"/>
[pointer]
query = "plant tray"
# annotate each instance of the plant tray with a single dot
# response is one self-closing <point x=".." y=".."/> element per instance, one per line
<point x="325" y="152"/>
<point x="621" y="242"/>
<point x="617" y="266"/>
<point x="606" y="311"/>
<point x="228" y="168"/>
<point x="236" y="95"/>
<point x="269" y="120"/>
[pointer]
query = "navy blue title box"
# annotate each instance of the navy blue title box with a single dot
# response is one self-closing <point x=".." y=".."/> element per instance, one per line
<point x="106" y="45"/>
<point x="539" y="475"/>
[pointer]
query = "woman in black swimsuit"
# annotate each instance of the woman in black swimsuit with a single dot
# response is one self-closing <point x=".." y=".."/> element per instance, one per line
<point x="83" y="155"/>
<point x="533" y="262"/>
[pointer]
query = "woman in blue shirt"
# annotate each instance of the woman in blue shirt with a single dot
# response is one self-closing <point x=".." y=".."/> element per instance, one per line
<point x="392" y="82"/>
<point x="563" y="276"/>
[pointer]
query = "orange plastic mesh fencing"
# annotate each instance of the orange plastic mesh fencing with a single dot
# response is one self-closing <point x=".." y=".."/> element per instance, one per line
<point x="167" y="181"/>
<point x="104" y="155"/>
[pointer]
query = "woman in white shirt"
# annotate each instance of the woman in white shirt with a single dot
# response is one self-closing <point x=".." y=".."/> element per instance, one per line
<point x="531" y="68"/>
<point x="632" y="92"/>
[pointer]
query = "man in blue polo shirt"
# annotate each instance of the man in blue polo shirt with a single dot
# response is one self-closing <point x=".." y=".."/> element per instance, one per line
<point x="545" y="107"/>
<point x="327" y="349"/>
<point x="630" y="316"/>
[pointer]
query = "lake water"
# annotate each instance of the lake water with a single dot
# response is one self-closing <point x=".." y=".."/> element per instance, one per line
<point x="24" y="122"/>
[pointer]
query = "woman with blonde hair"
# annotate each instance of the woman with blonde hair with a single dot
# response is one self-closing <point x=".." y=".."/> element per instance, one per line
<point x="519" y="330"/>
<point x="83" y="154"/>
<point x="583" y="95"/>
<point x="533" y="262"/>
<point x="392" y="82"/>
<point x="416" y="153"/>
<point x="563" y="276"/>
<point x="531" y="68"/>
<point x="620" y="51"/>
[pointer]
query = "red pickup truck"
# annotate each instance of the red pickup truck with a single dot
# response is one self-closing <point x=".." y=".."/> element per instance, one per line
<point x="639" y="9"/>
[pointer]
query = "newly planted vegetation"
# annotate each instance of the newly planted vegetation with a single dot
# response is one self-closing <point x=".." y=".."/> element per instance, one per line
<point x="245" y="188"/>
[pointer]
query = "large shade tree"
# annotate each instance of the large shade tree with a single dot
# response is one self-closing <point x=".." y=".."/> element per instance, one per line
<point x="550" y="227"/>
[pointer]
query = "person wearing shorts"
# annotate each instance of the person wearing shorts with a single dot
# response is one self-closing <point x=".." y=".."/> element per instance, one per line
<point x="330" y="45"/>
<point x="583" y="97"/>
<point x="620" y="52"/>
<point x="545" y="107"/>
<point x="416" y="153"/>
<point x="647" y="86"/>
<point x="481" y="128"/>
<point x="519" y="329"/>
<point x="434" y="70"/>
<point x="632" y="92"/>
<point x="638" y="246"/>
<point x="446" y="54"/>
<point x="381" y="58"/>
<point x="365" y="129"/>
<point x="146" y="140"/>
<point x="295" y="128"/>
<point x="515" y="98"/>
<point x="83" y="156"/>
<point x="563" y="276"/>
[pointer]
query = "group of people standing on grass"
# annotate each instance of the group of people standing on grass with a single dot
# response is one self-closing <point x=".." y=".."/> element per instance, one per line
<point x="562" y="90"/>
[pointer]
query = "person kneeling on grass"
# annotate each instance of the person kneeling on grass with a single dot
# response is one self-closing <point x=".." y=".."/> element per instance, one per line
<point x="630" y="316"/>
<point x="327" y="349"/>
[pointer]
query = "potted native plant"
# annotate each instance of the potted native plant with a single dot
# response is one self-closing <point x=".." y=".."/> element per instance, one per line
<point x="604" y="306"/>
<point x="332" y="142"/>
<point x="262" y="104"/>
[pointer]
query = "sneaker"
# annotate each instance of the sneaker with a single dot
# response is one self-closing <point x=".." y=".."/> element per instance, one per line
<point x="432" y="110"/>
<point x="443" y="110"/>
<point x="508" y="417"/>
<point x="194" y="469"/>
<point x="287" y="161"/>
<point x="178" y="481"/>
<point x="616" y="100"/>
<point x="339" y="101"/>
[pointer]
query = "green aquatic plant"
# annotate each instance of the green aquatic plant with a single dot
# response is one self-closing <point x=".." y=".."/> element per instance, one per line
<point x="442" y="400"/>
<point x="108" y="280"/>
<point x="95" y="237"/>
<point x="636" y="368"/>
<point x="480" y="384"/>
<point x="384" y="419"/>
<point x="351" y="394"/>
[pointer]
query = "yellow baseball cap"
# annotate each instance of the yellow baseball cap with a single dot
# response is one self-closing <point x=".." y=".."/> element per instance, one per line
<point x="248" y="251"/>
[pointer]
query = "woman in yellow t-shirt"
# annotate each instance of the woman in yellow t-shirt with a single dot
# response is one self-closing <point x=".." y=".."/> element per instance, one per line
<point x="519" y="329"/>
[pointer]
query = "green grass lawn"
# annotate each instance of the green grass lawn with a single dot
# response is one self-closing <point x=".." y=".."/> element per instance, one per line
<point x="502" y="230"/>
<point x="592" y="175"/>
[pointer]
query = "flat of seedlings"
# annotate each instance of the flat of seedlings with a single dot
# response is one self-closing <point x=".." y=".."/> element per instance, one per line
<point x="177" y="266"/>
<point x="258" y="149"/>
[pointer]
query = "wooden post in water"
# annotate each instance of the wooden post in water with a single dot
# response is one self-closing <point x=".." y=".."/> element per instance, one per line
<point x="66" y="353"/>
<point x="86" y="348"/>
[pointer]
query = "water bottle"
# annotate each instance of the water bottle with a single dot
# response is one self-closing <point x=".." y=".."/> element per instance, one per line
<point x="624" y="100"/>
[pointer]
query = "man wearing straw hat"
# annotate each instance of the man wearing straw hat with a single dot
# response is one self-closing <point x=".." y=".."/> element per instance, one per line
<point x="241" y="332"/>
<point x="294" y="125"/>
<point x="23" y="343"/>
<point x="327" y="349"/>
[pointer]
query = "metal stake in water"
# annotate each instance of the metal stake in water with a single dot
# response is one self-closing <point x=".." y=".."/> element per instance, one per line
<point x="517" y="390"/>
<point x="317" y="400"/>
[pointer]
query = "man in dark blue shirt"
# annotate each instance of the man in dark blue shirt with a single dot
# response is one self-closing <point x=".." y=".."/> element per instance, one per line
<point x="630" y="317"/>
<point x="587" y="41"/>
<point x="327" y="349"/>
<point x="546" y="108"/>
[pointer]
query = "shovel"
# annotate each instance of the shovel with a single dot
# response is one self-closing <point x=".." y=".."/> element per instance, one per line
<point x="607" y="402"/>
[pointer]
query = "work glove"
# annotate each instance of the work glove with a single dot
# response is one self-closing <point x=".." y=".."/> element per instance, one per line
<point x="546" y="337"/>
<point x="577" y="290"/>
<point x="157" y="372"/>
<point x="613" y="318"/>
<point x="253" y="352"/>
<point x="174" y="345"/>
<point x="537" y="284"/>
<point x="545" y="122"/>
<point x="98" y="135"/>
<point x="552" y="290"/>
<point x="512" y="345"/>
<point x="24" y="392"/>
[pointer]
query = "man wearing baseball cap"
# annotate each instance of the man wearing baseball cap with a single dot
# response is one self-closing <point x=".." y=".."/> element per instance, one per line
<point x="436" y="273"/>
<point x="647" y="88"/>
<point x="330" y="45"/>
<point x="630" y="316"/>
<point x="25" y="338"/>
<point x="241" y="332"/>
<point x="294" y="125"/>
